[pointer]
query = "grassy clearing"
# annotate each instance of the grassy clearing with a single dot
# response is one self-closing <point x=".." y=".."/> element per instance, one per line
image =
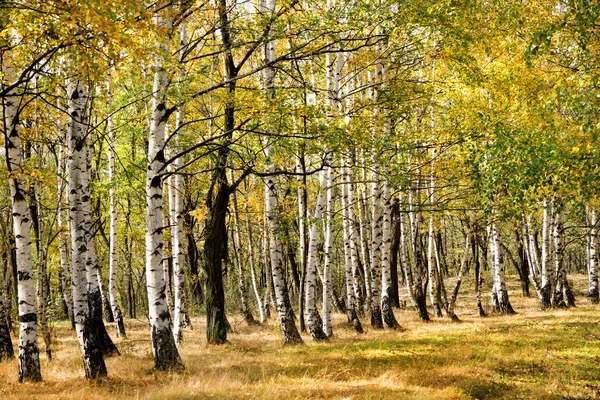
<point x="551" y="355"/>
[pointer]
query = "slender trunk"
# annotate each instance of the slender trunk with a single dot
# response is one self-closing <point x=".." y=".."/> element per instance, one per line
<point x="478" y="275"/>
<point x="62" y="240"/>
<point x="394" y="251"/>
<point x="267" y="300"/>
<point x="432" y="274"/>
<point x="302" y="248"/>
<point x="283" y="304"/>
<point x="251" y="259"/>
<point x="180" y="315"/>
<point x="112" y="247"/>
<point x="42" y="281"/>
<point x="593" y="293"/>
<point x="6" y="348"/>
<point x="29" y="362"/>
<point x="414" y="277"/>
<point x="328" y="253"/>
<point x="461" y="271"/>
<point x="546" y="279"/>
<point x="376" y="220"/>
<point x="363" y="232"/>
<point x="386" y="278"/>
<point x="533" y="259"/>
<point x="562" y="295"/>
<point x="524" y="270"/>
<point x="282" y="298"/>
<point x="78" y="182"/>
<point x="248" y="317"/>
<point x="352" y="288"/>
<point x="499" y="291"/>
<point x="164" y="348"/>
<point x="313" y="320"/>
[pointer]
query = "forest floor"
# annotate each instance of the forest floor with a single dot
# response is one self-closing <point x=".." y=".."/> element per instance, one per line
<point x="531" y="355"/>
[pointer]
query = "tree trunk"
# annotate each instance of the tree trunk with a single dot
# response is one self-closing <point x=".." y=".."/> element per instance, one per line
<point x="302" y="248"/>
<point x="62" y="241"/>
<point x="29" y="362"/>
<point x="112" y="247"/>
<point x="314" y="322"/>
<point x="349" y="233"/>
<point x="376" y="220"/>
<point x="593" y="293"/>
<point x="463" y="266"/>
<point x="562" y="295"/>
<point x="166" y="355"/>
<point x="248" y="317"/>
<point x="394" y="251"/>
<point x="386" y="278"/>
<point x="259" y="302"/>
<point x="546" y="279"/>
<point x="78" y="181"/>
<point x="500" y="300"/>
<point x="478" y="275"/>
<point x="42" y="282"/>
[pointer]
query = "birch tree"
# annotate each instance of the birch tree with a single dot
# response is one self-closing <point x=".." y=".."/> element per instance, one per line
<point x="592" y="257"/>
<point x="386" y="278"/>
<point x="77" y="181"/>
<point x="112" y="251"/>
<point x="29" y="361"/>
<point x="166" y="355"/>
<point x="313" y="320"/>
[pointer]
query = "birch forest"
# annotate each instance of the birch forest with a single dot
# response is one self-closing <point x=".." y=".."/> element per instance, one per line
<point x="299" y="199"/>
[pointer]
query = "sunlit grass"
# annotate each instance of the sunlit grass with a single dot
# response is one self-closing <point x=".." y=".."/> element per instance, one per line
<point x="534" y="354"/>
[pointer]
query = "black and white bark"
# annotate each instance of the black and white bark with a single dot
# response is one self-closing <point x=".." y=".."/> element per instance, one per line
<point x="313" y="320"/>
<point x="112" y="251"/>
<point x="29" y="362"/>
<point x="593" y="294"/>
<point x="166" y="355"/>
<point x="78" y="181"/>
<point x="386" y="278"/>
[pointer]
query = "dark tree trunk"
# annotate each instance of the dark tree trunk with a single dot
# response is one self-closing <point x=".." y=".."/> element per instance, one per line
<point x="6" y="348"/>
<point x="215" y="250"/>
<point x="478" y="275"/>
<point x="103" y="340"/>
<point x="192" y="259"/>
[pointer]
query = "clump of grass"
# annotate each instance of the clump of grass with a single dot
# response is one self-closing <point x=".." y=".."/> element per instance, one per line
<point x="534" y="354"/>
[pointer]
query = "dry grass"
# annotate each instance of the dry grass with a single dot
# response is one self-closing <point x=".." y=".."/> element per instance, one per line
<point x="551" y="355"/>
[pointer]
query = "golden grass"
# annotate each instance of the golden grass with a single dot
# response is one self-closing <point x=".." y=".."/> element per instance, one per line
<point x="542" y="355"/>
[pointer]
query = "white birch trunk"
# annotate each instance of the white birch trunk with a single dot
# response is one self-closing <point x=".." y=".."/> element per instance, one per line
<point x="532" y="256"/>
<point x="364" y="234"/>
<point x="251" y="260"/>
<point x="238" y="257"/>
<point x="166" y="355"/>
<point x="112" y="247"/>
<point x="29" y="362"/>
<point x="301" y="194"/>
<point x="386" y="275"/>
<point x="62" y="240"/>
<point x="282" y="299"/>
<point x="593" y="293"/>
<point x="376" y="239"/>
<point x="499" y="290"/>
<point x="78" y="224"/>
<point x="562" y="296"/>
<point x="312" y="318"/>
<point x="283" y="304"/>
<point x="180" y="317"/>
<point x="350" y="254"/>
<point x="328" y="252"/>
